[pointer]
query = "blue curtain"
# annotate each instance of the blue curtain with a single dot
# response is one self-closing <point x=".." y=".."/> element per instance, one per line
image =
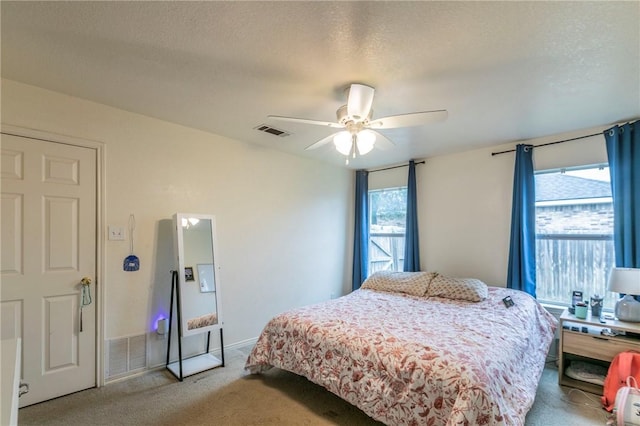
<point x="411" y="242"/>
<point x="521" y="274"/>
<point x="361" y="234"/>
<point x="623" y="151"/>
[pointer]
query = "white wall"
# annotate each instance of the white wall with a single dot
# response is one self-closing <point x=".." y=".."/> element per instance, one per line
<point x="464" y="201"/>
<point x="282" y="222"/>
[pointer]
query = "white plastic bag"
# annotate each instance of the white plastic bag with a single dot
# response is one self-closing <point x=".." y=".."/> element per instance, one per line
<point x="627" y="405"/>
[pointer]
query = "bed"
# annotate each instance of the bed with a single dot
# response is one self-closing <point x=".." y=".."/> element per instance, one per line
<point x="408" y="349"/>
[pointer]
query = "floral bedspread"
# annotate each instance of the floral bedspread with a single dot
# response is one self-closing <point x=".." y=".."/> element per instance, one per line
<point x="407" y="360"/>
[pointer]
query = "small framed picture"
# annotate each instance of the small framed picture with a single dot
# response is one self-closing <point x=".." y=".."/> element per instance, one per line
<point x="576" y="296"/>
<point x="188" y="273"/>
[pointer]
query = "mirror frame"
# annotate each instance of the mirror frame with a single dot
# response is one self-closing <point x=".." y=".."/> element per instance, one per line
<point x="179" y="252"/>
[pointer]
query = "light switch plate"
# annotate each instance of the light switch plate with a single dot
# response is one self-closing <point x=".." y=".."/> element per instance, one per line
<point x="116" y="233"/>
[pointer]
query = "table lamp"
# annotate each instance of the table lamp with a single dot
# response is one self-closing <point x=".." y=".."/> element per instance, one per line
<point x="626" y="281"/>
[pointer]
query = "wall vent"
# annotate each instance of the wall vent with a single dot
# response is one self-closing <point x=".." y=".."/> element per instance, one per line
<point x="126" y="355"/>
<point x="118" y="349"/>
<point x="272" y="130"/>
<point x="137" y="352"/>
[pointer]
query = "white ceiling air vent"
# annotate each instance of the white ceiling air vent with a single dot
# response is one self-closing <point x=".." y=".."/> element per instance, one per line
<point x="272" y="130"/>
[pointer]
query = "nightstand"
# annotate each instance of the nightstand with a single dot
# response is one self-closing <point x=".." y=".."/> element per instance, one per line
<point x="580" y="339"/>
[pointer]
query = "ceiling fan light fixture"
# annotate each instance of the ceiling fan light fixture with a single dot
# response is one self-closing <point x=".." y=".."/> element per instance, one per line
<point x="356" y="121"/>
<point x="365" y="141"/>
<point x="342" y="141"/>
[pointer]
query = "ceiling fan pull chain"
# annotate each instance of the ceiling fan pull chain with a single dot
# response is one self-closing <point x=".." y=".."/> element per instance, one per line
<point x="354" y="142"/>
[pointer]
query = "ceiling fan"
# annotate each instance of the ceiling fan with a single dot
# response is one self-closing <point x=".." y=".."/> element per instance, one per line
<point x="359" y="132"/>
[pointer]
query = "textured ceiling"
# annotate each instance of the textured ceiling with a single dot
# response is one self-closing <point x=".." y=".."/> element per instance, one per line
<point x="505" y="71"/>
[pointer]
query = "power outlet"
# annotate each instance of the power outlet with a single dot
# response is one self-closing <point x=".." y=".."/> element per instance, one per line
<point x="116" y="233"/>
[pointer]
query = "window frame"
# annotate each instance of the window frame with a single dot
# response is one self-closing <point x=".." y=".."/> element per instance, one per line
<point x="396" y="242"/>
<point x="577" y="237"/>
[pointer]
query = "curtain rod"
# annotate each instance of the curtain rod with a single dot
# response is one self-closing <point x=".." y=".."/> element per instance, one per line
<point x="395" y="167"/>
<point x="549" y="143"/>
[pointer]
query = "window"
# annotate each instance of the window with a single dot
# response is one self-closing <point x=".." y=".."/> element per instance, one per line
<point x="387" y="222"/>
<point x="574" y="234"/>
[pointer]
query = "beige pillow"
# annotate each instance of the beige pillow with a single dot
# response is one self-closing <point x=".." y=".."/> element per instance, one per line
<point x="413" y="283"/>
<point x="469" y="289"/>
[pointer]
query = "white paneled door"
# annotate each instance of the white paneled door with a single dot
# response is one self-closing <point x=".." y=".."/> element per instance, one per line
<point x="48" y="246"/>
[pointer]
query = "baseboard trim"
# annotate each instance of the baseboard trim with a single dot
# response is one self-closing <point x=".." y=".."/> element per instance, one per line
<point x="242" y="343"/>
<point x="152" y="368"/>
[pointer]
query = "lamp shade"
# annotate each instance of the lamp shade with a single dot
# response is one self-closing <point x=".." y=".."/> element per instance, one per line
<point x="625" y="280"/>
<point x="365" y="140"/>
<point x="343" y="141"/>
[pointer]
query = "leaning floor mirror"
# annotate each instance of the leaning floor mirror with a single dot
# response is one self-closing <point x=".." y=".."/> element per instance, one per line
<point x="195" y="292"/>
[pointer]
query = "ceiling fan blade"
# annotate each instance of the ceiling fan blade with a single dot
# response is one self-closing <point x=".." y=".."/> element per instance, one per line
<point x="306" y="121"/>
<point x="359" y="101"/>
<point x="321" y="142"/>
<point x="408" y="120"/>
<point x="382" y="142"/>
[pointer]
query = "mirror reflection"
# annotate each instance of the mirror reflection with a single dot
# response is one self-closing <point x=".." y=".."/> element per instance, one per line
<point x="198" y="286"/>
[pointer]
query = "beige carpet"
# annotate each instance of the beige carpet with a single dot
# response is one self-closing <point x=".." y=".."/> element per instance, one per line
<point x="228" y="396"/>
